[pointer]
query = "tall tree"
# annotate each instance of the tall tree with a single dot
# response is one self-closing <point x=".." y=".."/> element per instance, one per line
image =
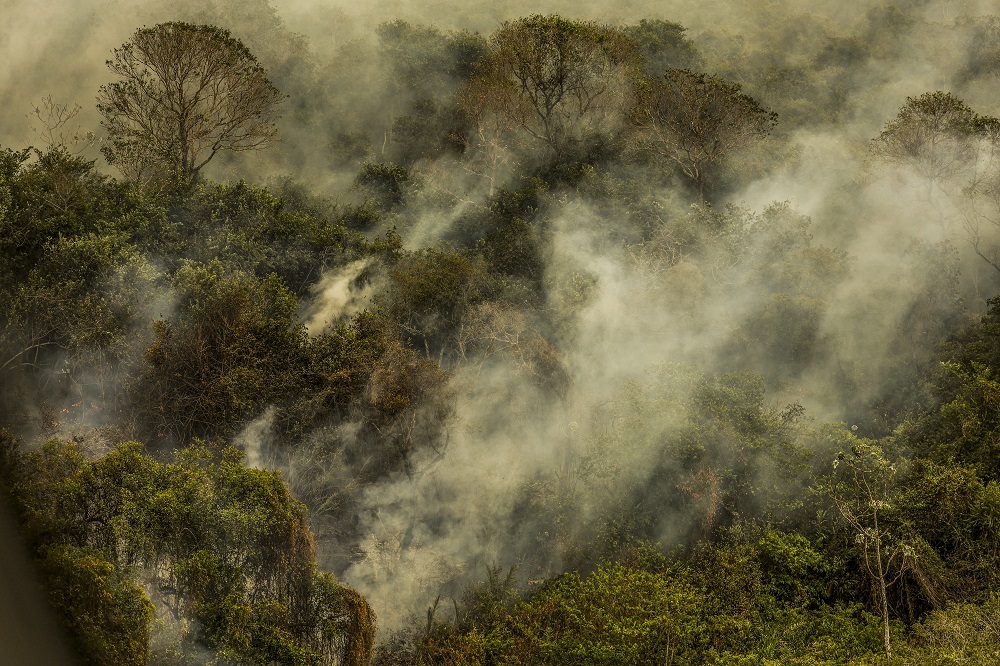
<point x="862" y="489"/>
<point x="663" y="45"/>
<point x="981" y="209"/>
<point x="185" y="93"/>
<point x="945" y="143"/>
<point x="696" y="121"/>
<point x="934" y="135"/>
<point x="575" y="77"/>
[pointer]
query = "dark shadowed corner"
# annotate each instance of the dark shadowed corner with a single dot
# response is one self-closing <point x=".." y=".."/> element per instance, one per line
<point x="28" y="631"/>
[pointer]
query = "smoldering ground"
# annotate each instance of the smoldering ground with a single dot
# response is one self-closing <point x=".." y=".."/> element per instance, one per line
<point x="828" y="297"/>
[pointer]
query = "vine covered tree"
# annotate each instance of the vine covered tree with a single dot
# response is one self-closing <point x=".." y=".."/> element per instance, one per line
<point x="185" y="92"/>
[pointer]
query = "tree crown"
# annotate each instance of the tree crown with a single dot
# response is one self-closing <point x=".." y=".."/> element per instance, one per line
<point x="184" y="93"/>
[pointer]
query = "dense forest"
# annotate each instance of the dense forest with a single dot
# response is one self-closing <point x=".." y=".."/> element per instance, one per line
<point x="552" y="334"/>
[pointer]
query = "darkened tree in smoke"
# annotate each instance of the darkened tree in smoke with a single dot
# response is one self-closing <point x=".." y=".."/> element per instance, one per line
<point x="933" y="135"/>
<point x="663" y="45"/>
<point x="981" y="213"/>
<point x="574" y="76"/>
<point x="185" y="93"/>
<point x="494" y="109"/>
<point x="697" y="121"/>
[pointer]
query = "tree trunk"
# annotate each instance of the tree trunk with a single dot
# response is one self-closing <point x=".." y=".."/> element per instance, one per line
<point x="885" y="597"/>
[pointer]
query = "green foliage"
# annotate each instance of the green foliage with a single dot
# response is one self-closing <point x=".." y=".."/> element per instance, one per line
<point x="963" y="428"/>
<point x="384" y="183"/>
<point x="514" y="251"/>
<point x="220" y="544"/>
<point x="431" y="290"/>
<point x="74" y="282"/>
<point x="59" y="196"/>
<point x="253" y="230"/>
<point x="614" y="616"/>
<point x="233" y="347"/>
<point x="522" y="202"/>
<point x="714" y="613"/>
<point x="794" y="572"/>
<point x="106" y="615"/>
<point x="89" y="293"/>
<point x="663" y="45"/>
<point x="487" y="604"/>
<point x="338" y="367"/>
<point x="841" y="634"/>
<point x="960" y="633"/>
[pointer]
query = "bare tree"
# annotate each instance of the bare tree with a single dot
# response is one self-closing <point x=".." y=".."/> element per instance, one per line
<point x="494" y="110"/>
<point x="185" y="93"/>
<point x="53" y="130"/>
<point x="697" y="121"/>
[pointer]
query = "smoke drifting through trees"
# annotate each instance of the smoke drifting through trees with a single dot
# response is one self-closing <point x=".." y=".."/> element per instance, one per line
<point x="591" y="349"/>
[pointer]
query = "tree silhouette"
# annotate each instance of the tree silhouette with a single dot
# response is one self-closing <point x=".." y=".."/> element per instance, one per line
<point x="185" y="93"/>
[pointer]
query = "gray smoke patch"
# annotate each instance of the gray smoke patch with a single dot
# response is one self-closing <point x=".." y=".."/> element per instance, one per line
<point x="430" y="531"/>
<point x="256" y="440"/>
<point x="173" y="636"/>
<point x="78" y="389"/>
<point x="337" y="297"/>
<point x="446" y="192"/>
<point x="627" y="330"/>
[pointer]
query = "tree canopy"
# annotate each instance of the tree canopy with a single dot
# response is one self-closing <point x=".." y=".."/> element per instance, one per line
<point x="933" y="134"/>
<point x="574" y="76"/>
<point x="697" y="121"/>
<point x="185" y="92"/>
